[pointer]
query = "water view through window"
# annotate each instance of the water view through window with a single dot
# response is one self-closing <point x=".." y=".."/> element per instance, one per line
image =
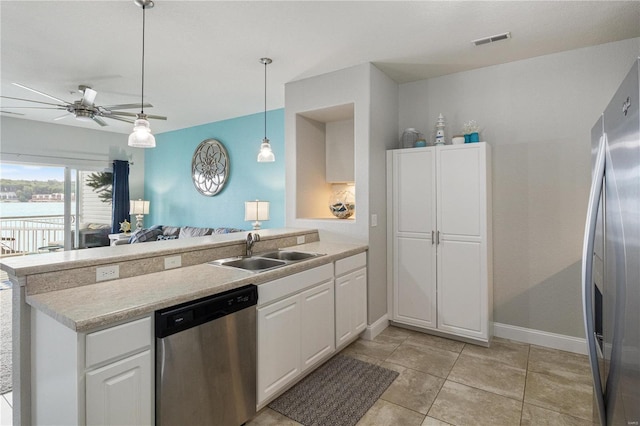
<point x="32" y="209"/>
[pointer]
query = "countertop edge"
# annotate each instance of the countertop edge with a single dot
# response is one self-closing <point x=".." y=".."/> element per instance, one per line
<point x="47" y="302"/>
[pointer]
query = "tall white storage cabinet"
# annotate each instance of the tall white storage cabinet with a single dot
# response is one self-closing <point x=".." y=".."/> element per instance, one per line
<point x="439" y="210"/>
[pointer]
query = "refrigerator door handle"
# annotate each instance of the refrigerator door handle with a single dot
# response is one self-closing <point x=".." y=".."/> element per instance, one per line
<point x="587" y="273"/>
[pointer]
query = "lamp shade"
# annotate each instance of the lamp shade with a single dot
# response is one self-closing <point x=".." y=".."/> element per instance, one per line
<point x="138" y="207"/>
<point x="256" y="210"/>
<point x="142" y="136"/>
<point x="266" y="153"/>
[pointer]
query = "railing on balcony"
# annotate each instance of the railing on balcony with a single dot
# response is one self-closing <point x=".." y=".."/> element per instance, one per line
<point x="31" y="234"/>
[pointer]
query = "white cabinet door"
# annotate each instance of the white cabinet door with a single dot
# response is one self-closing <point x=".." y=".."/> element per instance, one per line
<point x="351" y="306"/>
<point x="317" y="319"/>
<point x="414" y="226"/>
<point x="120" y="393"/>
<point x="462" y="298"/>
<point x="278" y="345"/>
<point x="360" y="300"/>
<point x="460" y="192"/>
<point x="344" y="333"/>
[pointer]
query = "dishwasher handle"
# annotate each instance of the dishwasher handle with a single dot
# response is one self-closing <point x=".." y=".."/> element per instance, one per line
<point x="181" y="317"/>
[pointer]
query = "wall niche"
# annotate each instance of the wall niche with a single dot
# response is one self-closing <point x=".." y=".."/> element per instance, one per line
<point x="324" y="134"/>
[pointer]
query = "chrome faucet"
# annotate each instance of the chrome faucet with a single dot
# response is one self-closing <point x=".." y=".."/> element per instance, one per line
<point x="251" y="239"/>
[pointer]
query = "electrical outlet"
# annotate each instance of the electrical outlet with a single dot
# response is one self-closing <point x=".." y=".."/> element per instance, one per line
<point x="301" y="239"/>
<point x="172" y="262"/>
<point x="104" y="273"/>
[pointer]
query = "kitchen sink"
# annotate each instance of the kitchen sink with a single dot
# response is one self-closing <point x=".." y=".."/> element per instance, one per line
<point x="250" y="263"/>
<point x="265" y="261"/>
<point x="288" y="255"/>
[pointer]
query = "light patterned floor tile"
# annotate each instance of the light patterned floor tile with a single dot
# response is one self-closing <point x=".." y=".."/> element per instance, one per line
<point x="538" y="416"/>
<point x="372" y="349"/>
<point x="361" y="357"/>
<point x="430" y="421"/>
<point x="463" y="405"/>
<point x="514" y="354"/>
<point x="421" y="357"/>
<point x="559" y="394"/>
<point x="436" y="342"/>
<point x="412" y="389"/>
<point x="560" y="363"/>
<point x="269" y="417"/>
<point x="384" y="413"/>
<point x="486" y="374"/>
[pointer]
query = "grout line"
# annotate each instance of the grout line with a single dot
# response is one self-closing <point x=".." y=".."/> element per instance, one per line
<point x="524" y="391"/>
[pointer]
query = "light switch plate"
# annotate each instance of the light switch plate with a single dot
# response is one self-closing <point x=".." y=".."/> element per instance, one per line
<point x="374" y="220"/>
<point x="172" y="262"/>
<point x="301" y="239"/>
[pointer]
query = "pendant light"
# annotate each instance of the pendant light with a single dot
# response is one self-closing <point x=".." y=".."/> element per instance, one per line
<point x="141" y="136"/>
<point x="266" y="154"/>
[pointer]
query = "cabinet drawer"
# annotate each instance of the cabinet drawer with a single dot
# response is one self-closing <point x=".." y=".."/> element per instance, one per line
<point x="117" y="341"/>
<point x="277" y="289"/>
<point x="351" y="263"/>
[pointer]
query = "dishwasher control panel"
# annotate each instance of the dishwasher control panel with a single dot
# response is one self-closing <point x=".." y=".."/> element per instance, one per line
<point x="190" y="314"/>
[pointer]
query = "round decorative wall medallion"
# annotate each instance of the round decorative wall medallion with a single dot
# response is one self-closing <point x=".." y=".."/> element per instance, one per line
<point x="210" y="167"/>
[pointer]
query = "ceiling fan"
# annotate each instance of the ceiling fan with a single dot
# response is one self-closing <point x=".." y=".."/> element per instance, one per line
<point x="84" y="109"/>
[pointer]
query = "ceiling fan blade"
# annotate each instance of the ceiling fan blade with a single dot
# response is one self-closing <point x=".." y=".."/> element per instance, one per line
<point x="118" y="118"/>
<point x="126" y="114"/>
<point x="9" y="112"/>
<point x="157" y="117"/>
<point x="127" y="106"/>
<point x="100" y="121"/>
<point x="130" y="114"/>
<point x="41" y="93"/>
<point x="35" y="102"/>
<point x="89" y="96"/>
<point x="62" y="117"/>
<point x="20" y="107"/>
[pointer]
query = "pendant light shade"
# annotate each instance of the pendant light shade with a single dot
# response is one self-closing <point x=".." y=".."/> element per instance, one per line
<point x="266" y="153"/>
<point x="141" y="136"/>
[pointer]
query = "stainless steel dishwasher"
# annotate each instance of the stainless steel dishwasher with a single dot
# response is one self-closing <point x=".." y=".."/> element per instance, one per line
<point x="206" y="360"/>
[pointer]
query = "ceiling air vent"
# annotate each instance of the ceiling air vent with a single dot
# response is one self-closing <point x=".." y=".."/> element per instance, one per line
<point x="492" y="39"/>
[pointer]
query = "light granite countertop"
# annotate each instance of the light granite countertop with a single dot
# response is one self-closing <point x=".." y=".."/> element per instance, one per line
<point x="56" y="261"/>
<point x="91" y="307"/>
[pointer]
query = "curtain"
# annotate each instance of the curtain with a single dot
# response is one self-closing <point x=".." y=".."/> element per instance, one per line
<point x="120" y="200"/>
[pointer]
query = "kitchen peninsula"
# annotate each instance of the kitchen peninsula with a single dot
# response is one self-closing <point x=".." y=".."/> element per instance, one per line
<point x="59" y="293"/>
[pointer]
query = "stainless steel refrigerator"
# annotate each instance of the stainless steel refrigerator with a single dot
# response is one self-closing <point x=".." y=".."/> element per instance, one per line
<point x="611" y="258"/>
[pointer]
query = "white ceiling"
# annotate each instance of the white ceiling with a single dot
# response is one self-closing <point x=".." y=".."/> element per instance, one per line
<point x="202" y="57"/>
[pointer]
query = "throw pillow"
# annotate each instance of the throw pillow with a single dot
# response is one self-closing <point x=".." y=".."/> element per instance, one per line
<point x="145" y="235"/>
<point x="190" y="231"/>
<point x="167" y="237"/>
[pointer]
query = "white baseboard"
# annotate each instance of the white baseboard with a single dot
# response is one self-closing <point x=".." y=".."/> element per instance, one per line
<point x="540" y="338"/>
<point x="376" y="328"/>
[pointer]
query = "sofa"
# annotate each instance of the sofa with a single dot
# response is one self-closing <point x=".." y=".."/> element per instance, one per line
<point x="163" y="232"/>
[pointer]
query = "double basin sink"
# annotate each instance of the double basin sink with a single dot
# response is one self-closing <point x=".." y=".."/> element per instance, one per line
<point x="265" y="261"/>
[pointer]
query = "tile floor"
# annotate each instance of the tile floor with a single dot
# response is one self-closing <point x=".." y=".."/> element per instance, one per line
<point x="445" y="382"/>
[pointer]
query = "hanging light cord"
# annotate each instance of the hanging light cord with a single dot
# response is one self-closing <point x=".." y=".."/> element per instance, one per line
<point x="265" y="99"/>
<point x="143" y="24"/>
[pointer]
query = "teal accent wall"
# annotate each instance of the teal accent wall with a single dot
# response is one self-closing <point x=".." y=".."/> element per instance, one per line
<point x="175" y="200"/>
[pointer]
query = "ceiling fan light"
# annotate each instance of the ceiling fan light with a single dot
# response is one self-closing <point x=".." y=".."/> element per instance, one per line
<point x="142" y="136"/>
<point x="266" y="154"/>
<point x="85" y="118"/>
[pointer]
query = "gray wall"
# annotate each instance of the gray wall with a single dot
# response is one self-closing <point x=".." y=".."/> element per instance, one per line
<point x="537" y="115"/>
